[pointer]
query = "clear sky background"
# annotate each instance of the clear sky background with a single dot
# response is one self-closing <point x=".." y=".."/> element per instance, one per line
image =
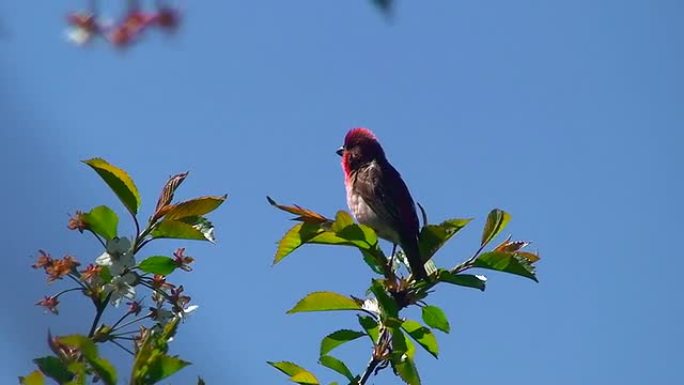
<point x="567" y="114"/>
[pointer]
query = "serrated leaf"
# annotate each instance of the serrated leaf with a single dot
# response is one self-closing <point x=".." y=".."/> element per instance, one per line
<point x="405" y="367"/>
<point x="435" y="317"/>
<point x="496" y="222"/>
<point x="177" y="230"/>
<point x="54" y="368"/>
<point x="119" y="181"/>
<point x="337" y="338"/>
<point x="203" y="225"/>
<point x="508" y="246"/>
<point x="422" y="335"/>
<point x="371" y="327"/>
<point x="158" y="264"/>
<point x="530" y="257"/>
<point x="164" y="366"/>
<point x="516" y="247"/>
<point x="102" y="221"/>
<point x="467" y="280"/>
<point x="337" y="365"/>
<point x="399" y="341"/>
<point x="304" y="215"/>
<point x="387" y="303"/>
<point x="295" y="372"/>
<point x="195" y="207"/>
<point x="33" y="378"/>
<point x="433" y="237"/>
<point x="324" y="301"/>
<point x="507" y="263"/>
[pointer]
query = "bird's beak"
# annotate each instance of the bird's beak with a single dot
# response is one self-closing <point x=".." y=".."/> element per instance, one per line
<point x="340" y="151"/>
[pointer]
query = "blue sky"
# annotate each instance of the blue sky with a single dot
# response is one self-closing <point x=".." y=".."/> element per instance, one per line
<point x="566" y="114"/>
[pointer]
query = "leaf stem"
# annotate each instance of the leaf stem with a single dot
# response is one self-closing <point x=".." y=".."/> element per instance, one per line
<point x="465" y="265"/>
<point x="98" y="238"/>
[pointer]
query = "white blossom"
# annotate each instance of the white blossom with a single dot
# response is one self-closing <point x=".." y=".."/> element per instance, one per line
<point x="121" y="287"/>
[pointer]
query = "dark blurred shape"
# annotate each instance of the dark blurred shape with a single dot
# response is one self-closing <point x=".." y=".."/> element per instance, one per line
<point x="386" y="6"/>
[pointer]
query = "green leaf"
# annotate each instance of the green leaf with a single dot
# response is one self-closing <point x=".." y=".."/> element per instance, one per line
<point x="361" y="236"/>
<point x="433" y="237"/>
<point x="295" y="372"/>
<point x="158" y="264"/>
<point x="164" y="366"/>
<point x="119" y="181"/>
<point x="343" y="231"/>
<point x="422" y="335"/>
<point x="387" y="304"/>
<point x="435" y="317"/>
<point x="33" y="378"/>
<point x="106" y="275"/>
<point x="104" y="369"/>
<point x="399" y="342"/>
<point x="337" y="338"/>
<point x="102" y="221"/>
<point x="54" y="368"/>
<point x="177" y="230"/>
<point x="304" y="378"/>
<point x="496" y="221"/>
<point x="405" y="367"/>
<point x="80" y="342"/>
<point x="80" y="373"/>
<point x="195" y="207"/>
<point x="507" y="263"/>
<point x="375" y="259"/>
<point x="203" y="225"/>
<point x="342" y="220"/>
<point x="324" y="301"/>
<point x="298" y="235"/>
<point x="335" y="364"/>
<point x="371" y="327"/>
<point x="467" y="280"/>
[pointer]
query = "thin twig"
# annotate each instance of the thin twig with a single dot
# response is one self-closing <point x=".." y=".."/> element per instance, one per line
<point x="129" y="323"/>
<point x="122" y="347"/>
<point x="67" y="290"/>
<point x="78" y="281"/>
<point x="372" y="364"/>
<point x="100" y="309"/>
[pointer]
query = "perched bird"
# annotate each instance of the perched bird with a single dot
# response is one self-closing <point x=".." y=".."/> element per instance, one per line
<point x="378" y="197"/>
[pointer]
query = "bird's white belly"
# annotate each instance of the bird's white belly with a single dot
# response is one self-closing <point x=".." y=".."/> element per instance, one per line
<point x="364" y="214"/>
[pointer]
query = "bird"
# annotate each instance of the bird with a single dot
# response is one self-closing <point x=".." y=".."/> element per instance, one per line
<point x="378" y="197"/>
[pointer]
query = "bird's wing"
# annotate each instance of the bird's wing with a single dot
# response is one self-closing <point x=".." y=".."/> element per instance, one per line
<point x="382" y="188"/>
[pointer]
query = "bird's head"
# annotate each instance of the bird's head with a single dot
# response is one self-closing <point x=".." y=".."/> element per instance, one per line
<point x="360" y="148"/>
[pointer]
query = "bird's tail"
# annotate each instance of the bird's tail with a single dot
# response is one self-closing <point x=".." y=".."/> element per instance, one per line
<point x="414" y="259"/>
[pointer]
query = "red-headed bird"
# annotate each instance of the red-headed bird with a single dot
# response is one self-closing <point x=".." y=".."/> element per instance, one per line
<point x="378" y="197"/>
